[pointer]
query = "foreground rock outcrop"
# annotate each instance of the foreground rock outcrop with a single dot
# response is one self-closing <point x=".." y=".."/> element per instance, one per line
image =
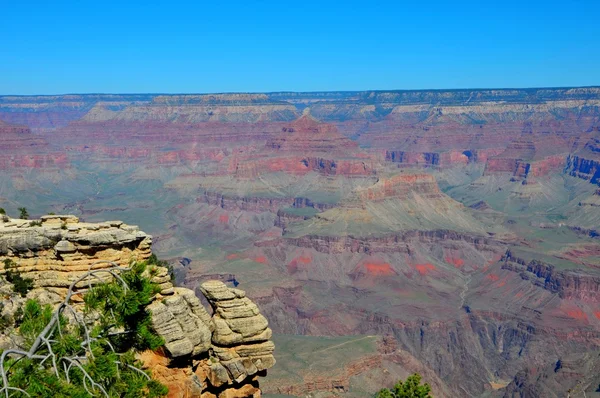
<point x="218" y="355"/>
<point x="56" y="250"/>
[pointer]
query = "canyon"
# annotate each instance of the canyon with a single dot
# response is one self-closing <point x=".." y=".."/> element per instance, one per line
<point x="452" y="233"/>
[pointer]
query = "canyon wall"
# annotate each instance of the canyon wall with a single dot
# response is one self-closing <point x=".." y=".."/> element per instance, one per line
<point x="584" y="162"/>
<point x="568" y="285"/>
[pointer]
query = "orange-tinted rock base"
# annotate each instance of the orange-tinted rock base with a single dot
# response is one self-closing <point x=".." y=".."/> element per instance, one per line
<point x="188" y="380"/>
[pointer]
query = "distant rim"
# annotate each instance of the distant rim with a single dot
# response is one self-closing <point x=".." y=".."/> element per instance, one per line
<point x="313" y="92"/>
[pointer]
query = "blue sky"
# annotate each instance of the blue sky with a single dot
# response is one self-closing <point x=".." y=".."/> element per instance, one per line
<point x="53" y="47"/>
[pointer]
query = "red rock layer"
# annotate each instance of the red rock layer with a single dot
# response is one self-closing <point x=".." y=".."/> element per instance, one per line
<point x="252" y="167"/>
<point x="400" y="186"/>
<point x="20" y="148"/>
<point x="303" y="146"/>
<point x="523" y="158"/>
<point x="308" y="135"/>
<point x="18" y="139"/>
<point x="151" y="155"/>
<point x="49" y="161"/>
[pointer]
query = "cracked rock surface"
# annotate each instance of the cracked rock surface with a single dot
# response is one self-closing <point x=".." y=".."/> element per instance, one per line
<point x="229" y="350"/>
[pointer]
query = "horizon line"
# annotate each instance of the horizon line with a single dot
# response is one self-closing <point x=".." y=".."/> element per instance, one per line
<point x="308" y="92"/>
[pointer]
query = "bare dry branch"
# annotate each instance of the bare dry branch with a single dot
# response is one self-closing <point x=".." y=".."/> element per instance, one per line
<point x="43" y="342"/>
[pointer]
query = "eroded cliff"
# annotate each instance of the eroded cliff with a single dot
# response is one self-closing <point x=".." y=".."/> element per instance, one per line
<point x="216" y="352"/>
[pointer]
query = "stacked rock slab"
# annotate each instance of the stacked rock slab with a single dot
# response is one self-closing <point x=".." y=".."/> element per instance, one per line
<point x="57" y="249"/>
<point x="182" y="322"/>
<point x="241" y="336"/>
<point x="220" y="356"/>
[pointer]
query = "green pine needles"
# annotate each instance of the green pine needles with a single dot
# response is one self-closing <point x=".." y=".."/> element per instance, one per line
<point x="88" y="353"/>
<point x="127" y="309"/>
<point x="411" y="388"/>
<point x="23" y="213"/>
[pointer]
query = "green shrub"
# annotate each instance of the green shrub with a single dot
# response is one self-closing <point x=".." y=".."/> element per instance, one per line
<point x="128" y="307"/>
<point x="18" y="316"/>
<point x="122" y="327"/>
<point x="2" y="211"/>
<point x="35" y="223"/>
<point x="24" y="215"/>
<point x="411" y="388"/>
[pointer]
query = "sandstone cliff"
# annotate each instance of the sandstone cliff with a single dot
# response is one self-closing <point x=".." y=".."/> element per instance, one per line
<point x="218" y="355"/>
<point x="56" y="250"/>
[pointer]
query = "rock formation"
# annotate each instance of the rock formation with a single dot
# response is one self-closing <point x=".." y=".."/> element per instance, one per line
<point x="306" y="134"/>
<point x="400" y="186"/>
<point x="56" y="250"/>
<point x="22" y="149"/>
<point x="303" y="146"/>
<point x="524" y="158"/>
<point x="585" y="161"/>
<point x="222" y="355"/>
<point x="568" y="285"/>
<point x="218" y="356"/>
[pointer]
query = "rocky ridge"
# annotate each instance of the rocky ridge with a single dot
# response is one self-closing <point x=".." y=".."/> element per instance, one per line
<point x="585" y="161"/>
<point x="568" y="285"/>
<point x="56" y="250"/>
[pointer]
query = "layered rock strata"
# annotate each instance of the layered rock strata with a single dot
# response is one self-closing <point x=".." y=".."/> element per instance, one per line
<point x="392" y="243"/>
<point x="306" y="134"/>
<point x="58" y="249"/>
<point x="304" y="146"/>
<point x="219" y="355"/>
<point x="22" y="149"/>
<point x="568" y="285"/>
<point x="400" y="186"/>
<point x="257" y="204"/>
<point x="525" y="158"/>
<point x="585" y="162"/>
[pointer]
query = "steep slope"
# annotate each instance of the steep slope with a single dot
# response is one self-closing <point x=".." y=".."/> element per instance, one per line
<point x="585" y="161"/>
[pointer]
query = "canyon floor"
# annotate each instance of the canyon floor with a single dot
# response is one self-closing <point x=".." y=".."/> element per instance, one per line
<point x="451" y="233"/>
